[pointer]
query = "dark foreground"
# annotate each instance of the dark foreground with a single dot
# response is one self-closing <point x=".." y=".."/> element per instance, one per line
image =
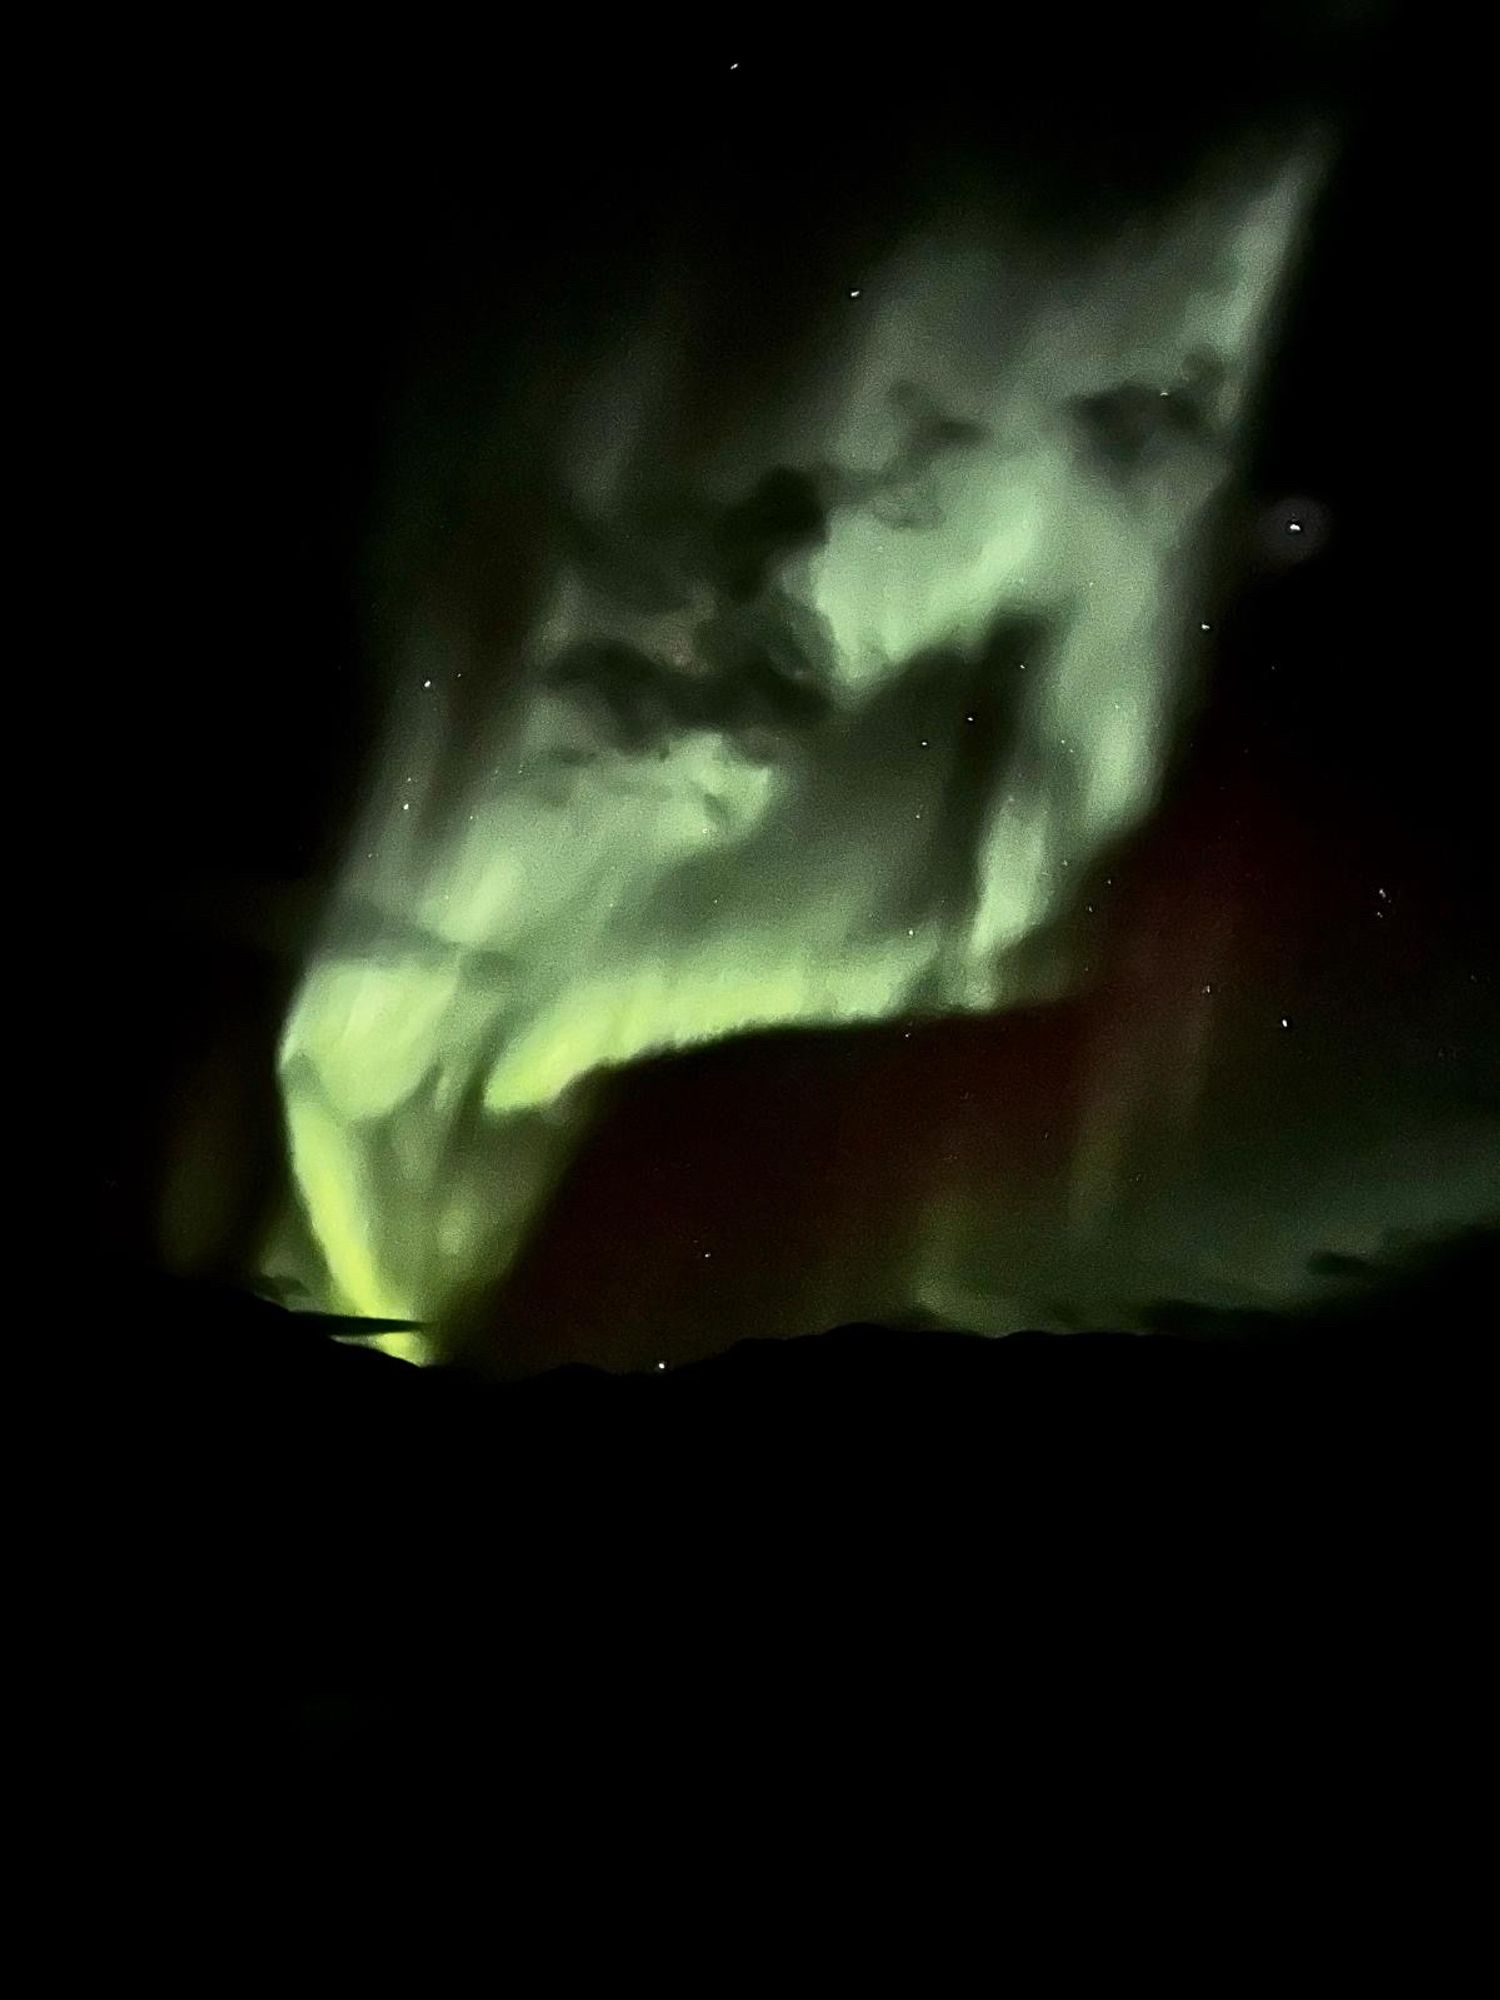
<point x="907" y="1561"/>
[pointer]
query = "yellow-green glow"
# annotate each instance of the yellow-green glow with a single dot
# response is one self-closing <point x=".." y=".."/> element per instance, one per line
<point x="512" y="922"/>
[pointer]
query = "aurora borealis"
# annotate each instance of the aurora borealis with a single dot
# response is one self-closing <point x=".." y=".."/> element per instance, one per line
<point x="596" y="885"/>
<point x="799" y="828"/>
<point x="777" y="742"/>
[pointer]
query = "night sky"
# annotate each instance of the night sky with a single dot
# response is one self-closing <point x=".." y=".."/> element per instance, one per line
<point x="579" y="862"/>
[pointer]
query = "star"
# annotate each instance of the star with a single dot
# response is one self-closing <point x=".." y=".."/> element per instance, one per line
<point x="855" y="293"/>
<point x="1285" y="1022"/>
<point x="427" y="684"/>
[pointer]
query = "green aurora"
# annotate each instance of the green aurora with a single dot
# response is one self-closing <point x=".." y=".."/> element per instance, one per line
<point x="980" y="651"/>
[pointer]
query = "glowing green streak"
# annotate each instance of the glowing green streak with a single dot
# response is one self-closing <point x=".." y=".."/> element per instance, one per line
<point x="536" y="943"/>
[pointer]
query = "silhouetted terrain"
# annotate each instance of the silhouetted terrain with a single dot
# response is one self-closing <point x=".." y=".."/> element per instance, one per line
<point x="796" y="1527"/>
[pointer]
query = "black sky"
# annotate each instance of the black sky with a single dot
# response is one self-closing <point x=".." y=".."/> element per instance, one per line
<point x="271" y="241"/>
